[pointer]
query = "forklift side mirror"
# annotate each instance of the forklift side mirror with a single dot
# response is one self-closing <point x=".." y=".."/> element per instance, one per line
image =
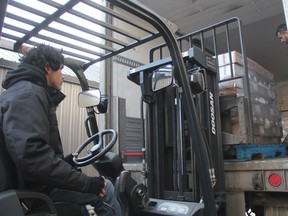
<point x="89" y="98"/>
<point x="197" y="82"/>
<point x="162" y="77"/>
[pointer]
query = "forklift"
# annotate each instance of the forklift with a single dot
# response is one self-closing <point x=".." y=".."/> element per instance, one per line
<point x="182" y="149"/>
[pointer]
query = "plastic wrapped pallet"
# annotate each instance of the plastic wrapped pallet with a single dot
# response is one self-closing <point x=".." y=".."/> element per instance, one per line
<point x="266" y="122"/>
<point x="282" y="97"/>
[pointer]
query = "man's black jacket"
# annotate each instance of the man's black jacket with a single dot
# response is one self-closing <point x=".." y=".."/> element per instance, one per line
<point x="29" y="124"/>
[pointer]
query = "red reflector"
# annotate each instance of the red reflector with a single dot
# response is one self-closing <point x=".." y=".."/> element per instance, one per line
<point x="275" y="180"/>
<point x="135" y="154"/>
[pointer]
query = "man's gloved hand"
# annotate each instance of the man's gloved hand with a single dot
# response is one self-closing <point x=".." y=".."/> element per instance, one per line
<point x="69" y="159"/>
<point x="97" y="186"/>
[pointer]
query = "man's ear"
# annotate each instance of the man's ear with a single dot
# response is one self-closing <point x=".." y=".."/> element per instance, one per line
<point x="47" y="69"/>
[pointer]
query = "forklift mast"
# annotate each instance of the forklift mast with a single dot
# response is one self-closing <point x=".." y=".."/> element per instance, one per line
<point x="169" y="143"/>
<point x="172" y="152"/>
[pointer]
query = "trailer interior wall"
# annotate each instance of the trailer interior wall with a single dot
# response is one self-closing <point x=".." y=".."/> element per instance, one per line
<point x="264" y="47"/>
<point x="260" y="20"/>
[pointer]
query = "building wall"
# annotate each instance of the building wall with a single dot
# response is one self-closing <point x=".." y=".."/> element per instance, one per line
<point x="121" y="86"/>
<point x="126" y="95"/>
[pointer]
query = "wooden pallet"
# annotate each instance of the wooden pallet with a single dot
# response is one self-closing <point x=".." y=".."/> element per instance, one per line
<point x="250" y="152"/>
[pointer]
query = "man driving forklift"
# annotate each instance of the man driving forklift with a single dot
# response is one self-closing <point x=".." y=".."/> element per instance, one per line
<point x="29" y="129"/>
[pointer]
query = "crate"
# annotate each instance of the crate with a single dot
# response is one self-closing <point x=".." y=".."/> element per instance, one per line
<point x="266" y="128"/>
<point x="266" y="123"/>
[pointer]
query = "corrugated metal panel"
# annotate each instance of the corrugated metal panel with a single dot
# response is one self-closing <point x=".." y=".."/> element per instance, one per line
<point x="134" y="139"/>
<point x="71" y="120"/>
<point x="134" y="135"/>
<point x="130" y="132"/>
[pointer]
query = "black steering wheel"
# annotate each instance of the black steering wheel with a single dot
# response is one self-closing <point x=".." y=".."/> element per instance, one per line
<point x="98" y="150"/>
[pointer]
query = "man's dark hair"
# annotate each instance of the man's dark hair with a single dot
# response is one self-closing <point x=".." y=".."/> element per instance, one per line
<point x="44" y="55"/>
<point x="281" y="28"/>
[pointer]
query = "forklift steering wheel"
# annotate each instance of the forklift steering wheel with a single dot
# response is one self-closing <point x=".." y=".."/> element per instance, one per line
<point x="98" y="150"/>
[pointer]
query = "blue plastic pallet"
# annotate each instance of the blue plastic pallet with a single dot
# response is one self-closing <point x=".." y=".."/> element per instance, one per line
<point x="248" y="152"/>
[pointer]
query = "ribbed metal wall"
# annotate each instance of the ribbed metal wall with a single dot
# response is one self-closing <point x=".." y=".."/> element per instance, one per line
<point x="134" y="135"/>
<point x="71" y="121"/>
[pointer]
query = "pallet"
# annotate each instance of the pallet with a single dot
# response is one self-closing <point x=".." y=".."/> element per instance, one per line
<point x="250" y="152"/>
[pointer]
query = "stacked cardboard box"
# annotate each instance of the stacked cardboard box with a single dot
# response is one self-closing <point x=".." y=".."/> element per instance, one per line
<point x="266" y="122"/>
<point x="282" y="98"/>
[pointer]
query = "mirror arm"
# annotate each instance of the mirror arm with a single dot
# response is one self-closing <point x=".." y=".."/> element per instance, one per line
<point x="103" y="105"/>
<point x="148" y="95"/>
<point x="92" y="127"/>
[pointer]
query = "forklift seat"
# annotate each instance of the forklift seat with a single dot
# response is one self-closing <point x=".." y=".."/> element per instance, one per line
<point x="12" y="200"/>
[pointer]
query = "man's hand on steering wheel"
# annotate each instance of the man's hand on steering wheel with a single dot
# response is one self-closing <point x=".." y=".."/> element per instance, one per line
<point x="69" y="159"/>
<point x="98" y="150"/>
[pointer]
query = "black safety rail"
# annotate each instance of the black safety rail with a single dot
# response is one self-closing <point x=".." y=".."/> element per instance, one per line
<point x="212" y="40"/>
<point x="20" y="30"/>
